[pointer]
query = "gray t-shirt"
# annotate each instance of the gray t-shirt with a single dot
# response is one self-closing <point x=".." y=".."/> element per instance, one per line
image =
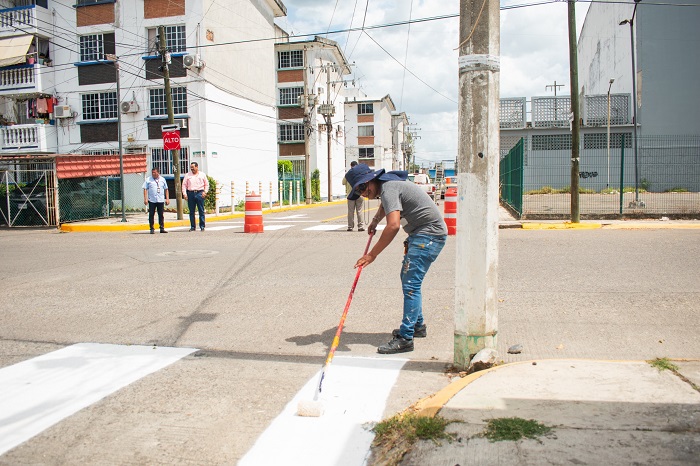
<point x="419" y="214"/>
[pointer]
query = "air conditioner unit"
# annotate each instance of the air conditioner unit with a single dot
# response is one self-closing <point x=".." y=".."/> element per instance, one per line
<point x="62" y="111"/>
<point x="182" y="122"/>
<point x="129" y="106"/>
<point x="188" y="61"/>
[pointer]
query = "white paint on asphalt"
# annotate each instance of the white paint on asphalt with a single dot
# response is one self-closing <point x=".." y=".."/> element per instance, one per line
<point x="40" y="392"/>
<point x="276" y="227"/>
<point x="329" y="227"/>
<point x="354" y="395"/>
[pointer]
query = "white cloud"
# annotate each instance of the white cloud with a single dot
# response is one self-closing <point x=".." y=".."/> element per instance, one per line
<point x="534" y="54"/>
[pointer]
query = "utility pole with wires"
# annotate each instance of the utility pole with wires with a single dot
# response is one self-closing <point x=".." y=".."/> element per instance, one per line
<point x="575" y="115"/>
<point x="476" y="261"/>
<point x="328" y="110"/>
<point x="554" y="86"/>
<point x="114" y="59"/>
<point x="165" y="55"/>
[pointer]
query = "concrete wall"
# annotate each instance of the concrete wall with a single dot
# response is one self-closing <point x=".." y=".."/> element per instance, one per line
<point x="667" y="65"/>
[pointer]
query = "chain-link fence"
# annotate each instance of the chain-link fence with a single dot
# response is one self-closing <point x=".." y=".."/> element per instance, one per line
<point x="27" y="194"/>
<point x="87" y="198"/>
<point x="662" y="180"/>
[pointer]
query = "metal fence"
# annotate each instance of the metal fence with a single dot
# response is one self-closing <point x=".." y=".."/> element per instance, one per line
<point x="87" y="198"/>
<point x="28" y="195"/>
<point x="667" y="183"/>
<point x="511" y="178"/>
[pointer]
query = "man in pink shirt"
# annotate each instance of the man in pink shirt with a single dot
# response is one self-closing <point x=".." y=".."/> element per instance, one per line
<point x="194" y="189"/>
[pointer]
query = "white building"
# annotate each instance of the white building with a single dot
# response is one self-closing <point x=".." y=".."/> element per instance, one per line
<point x="375" y="133"/>
<point x="222" y="79"/>
<point x="314" y="71"/>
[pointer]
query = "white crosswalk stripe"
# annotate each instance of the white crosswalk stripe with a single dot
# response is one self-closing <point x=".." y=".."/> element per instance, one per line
<point x="42" y="391"/>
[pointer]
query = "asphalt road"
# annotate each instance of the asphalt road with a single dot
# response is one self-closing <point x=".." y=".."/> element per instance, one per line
<point x="262" y="310"/>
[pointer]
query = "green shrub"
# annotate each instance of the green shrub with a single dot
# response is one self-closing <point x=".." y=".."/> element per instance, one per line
<point x="316" y="185"/>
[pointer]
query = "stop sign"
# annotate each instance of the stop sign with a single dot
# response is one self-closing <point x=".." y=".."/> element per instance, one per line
<point x="171" y="140"/>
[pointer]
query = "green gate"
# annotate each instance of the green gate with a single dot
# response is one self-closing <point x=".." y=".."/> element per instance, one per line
<point x="511" y="178"/>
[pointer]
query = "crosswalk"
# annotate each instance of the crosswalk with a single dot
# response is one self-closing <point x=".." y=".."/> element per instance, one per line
<point x="39" y="393"/>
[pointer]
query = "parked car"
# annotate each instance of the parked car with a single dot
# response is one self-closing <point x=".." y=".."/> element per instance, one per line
<point x="423" y="180"/>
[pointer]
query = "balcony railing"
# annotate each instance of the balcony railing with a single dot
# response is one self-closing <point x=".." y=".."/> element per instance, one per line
<point x="29" y="138"/>
<point x="23" y="20"/>
<point x="26" y="79"/>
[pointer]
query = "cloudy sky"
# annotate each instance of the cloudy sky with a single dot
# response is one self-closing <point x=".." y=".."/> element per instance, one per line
<point x="534" y="54"/>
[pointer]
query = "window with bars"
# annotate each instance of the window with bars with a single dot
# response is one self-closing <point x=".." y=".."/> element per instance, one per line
<point x="100" y="106"/>
<point x="366" y="152"/>
<point x="365" y="109"/>
<point x="551" y="142"/>
<point x="157" y="101"/>
<point x="100" y="152"/>
<point x="365" y="130"/>
<point x="290" y="59"/>
<point x="92" y="47"/>
<point x="290" y="95"/>
<point x="175" y="39"/>
<point x="163" y="160"/>
<point x="292" y="132"/>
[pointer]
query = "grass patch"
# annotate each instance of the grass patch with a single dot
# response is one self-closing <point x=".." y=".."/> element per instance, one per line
<point x="514" y="428"/>
<point x="663" y="364"/>
<point x="395" y="436"/>
<point x="676" y="190"/>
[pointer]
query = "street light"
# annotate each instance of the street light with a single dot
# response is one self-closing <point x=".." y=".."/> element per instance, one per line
<point x="609" y="87"/>
<point x="630" y="21"/>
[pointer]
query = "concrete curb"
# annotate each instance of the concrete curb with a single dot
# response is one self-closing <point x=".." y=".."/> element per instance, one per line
<point x="562" y="226"/>
<point x="431" y="405"/>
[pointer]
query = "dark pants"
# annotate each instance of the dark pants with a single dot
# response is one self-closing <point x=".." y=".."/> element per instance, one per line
<point x="196" y="198"/>
<point x="152" y="206"/>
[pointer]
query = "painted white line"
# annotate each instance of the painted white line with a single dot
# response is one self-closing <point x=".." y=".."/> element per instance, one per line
<point x="328" y="227"/>
<point x="276" y="227"/>
<point x="293" y="216"/>
<point x="354" y="393"/>
<point x="41" y="392"/>
<point x="222" y="227"/>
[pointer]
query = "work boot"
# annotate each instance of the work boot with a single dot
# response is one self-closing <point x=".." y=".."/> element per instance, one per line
<point x="162" y="230"/>
<point x="152" y="231"/>
<point x="397" y="345"/>
<point x="420" y="331"/>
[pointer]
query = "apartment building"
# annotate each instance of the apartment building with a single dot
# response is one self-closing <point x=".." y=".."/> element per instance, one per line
<point x="58" y="83"/>
<point x="375" y="133"/>
<point x="310" y="90"/>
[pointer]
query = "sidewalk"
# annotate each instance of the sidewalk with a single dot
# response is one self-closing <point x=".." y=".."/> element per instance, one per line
<point x="601" y="412"/>
<point x="139" y="221"/>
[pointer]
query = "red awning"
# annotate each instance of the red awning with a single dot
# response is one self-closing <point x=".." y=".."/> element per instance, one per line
<point x="82" y="166"/>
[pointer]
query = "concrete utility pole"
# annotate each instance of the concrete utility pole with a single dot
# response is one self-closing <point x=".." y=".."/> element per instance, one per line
<point x="171" y="117"/>
<point x="575" y="109"/>
<point x="307" y="133"/>
<point x="328" y="110"/>
<point x="113" y="58"/>
<point x="476" y="274"/>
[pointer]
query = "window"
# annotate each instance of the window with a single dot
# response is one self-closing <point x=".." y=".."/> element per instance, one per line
<point x="99" y="106"/>
<point x="100" y="152"/>
<point x="157" y="101"/>
<point x="293" y="132"/>
<point x="551" y="142"/>
<point x="364" y="109"/>
<point x="92" y="47"/>
<point x="366" y="152"/>
<point x="290" y="95"/>
<point x="365" y="131"/>
<point x="600" y="140"/>
<point x="163" y="160"/>
<point x="290" y="59"/>
<point x="175" y="39"/>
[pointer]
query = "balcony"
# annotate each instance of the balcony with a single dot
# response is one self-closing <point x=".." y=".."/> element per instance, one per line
<point x="26" y="79"/>
<point x="24" y="19"/>
<point x="28" y="138"/>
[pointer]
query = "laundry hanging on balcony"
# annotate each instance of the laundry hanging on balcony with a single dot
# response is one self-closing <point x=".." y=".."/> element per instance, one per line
<point x="13" y="50"/>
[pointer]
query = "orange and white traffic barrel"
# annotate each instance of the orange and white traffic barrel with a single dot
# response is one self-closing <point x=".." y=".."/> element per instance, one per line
<point x="451" y="210"/>
<point x="253" y="214"/>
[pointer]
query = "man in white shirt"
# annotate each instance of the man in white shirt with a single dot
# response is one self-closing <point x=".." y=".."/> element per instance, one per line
<point x="195" y="187"/>
<point x="155" y="194"/>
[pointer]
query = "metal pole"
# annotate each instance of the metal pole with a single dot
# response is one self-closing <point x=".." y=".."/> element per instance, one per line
<point x="476" y="256"/>
<point x="575" y="124"/>
<point x="634" y="110"/>
<point x="622" y="170"/>
<point x="607" y="185"/>
<point x="171" y="118"/>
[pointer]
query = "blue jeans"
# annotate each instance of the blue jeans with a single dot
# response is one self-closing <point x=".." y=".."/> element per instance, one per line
<point x="196" y="198"/>
<point x="422" y="252"/>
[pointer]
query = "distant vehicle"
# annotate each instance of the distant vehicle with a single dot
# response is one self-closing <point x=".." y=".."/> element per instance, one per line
<point x="423" y="180"/>
<point x="448" y="182"/>
<point x="28" y="204"/>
